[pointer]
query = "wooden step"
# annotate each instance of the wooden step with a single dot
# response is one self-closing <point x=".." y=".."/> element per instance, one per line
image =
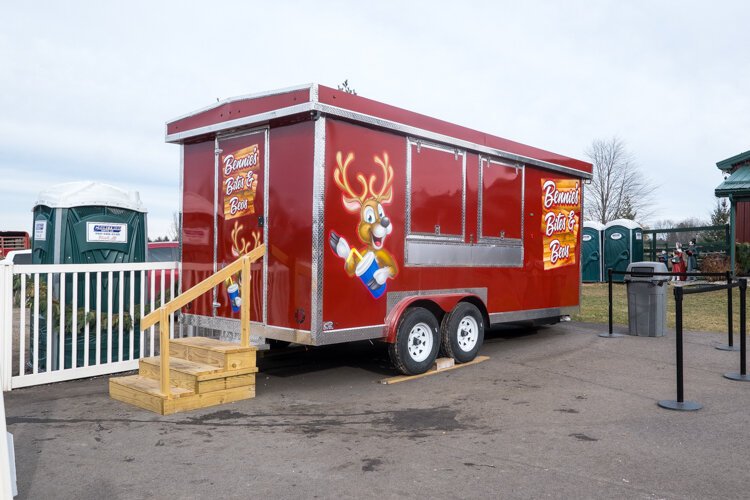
<point x="213" y="352"/>
<point x="146" y="393"/>
<point x="197" y="377"/>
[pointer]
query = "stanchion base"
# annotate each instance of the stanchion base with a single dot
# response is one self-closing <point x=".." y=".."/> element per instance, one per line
<point x="611" y="335"/>
<point x="680" y="406"/>
<point x="727" y="347"/>
<point x="737" y="376"/>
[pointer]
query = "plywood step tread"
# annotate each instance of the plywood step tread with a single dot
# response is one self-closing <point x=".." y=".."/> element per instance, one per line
<point x="200" y="371"/>
<point x="149" y="386"/>
<point x="213" y="344"/>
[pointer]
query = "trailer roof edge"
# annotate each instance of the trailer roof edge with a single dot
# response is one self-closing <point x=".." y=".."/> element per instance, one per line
<point x="408" y="130"/>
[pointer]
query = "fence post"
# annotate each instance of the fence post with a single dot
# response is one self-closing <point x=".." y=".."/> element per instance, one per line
<point x="6" y="324"/>
<point x="742" y="375"/>
<point x="680" y="404"/>
<point x="729" y="346"/>
<point x="609" y="334"/>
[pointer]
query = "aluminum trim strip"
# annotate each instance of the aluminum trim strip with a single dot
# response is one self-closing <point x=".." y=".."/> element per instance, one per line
<point x="446" y="254"/>
<point x="407" y="215"/>
<point x="244" y="97"/>
<point x="393" y="298"/>
<point x="266" y="183"/>
<point x="217" y="152"/>
<point x="511" y="316"/>
<point x="230" y="326"/>
<point x="352" y="335"/>
<point x="318" y="228"/>
<point x="181" y="195"/>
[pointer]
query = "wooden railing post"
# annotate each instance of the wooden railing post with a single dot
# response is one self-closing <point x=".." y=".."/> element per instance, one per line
<point x="246" y="303"/>
<point x="164" y="350"/>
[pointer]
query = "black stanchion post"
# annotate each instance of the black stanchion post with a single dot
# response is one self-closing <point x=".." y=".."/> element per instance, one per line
<point x="742" y="375"/>
<point x="729" y="346"/>
<point x="609" y="334"/>
<point x="680" y="404"/>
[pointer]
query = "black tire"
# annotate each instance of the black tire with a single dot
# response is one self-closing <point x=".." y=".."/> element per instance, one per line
<point x="462" y="332"/>
<point x="410" y="359"/>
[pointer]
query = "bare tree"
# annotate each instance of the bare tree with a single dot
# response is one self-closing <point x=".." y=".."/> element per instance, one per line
<point x="176" y="229"/>
<point x="619" y="189"/>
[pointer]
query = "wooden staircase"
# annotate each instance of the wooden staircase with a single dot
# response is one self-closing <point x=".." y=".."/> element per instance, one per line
<point x="194" y="372"/>
<point x="203" y="372"/>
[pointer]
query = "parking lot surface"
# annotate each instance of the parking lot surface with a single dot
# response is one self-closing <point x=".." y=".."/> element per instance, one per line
<point x="556" y="412"/>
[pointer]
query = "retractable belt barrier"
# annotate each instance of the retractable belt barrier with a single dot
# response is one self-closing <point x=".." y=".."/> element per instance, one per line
<point x="679" y="293"/>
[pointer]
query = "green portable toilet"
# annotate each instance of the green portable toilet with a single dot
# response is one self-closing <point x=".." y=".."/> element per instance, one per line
<point x="591" y="252"/>
<point x="623" y="244"/>
<point x="87" y="223"/>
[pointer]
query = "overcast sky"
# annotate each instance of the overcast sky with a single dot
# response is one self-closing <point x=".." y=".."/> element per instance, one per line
<point x="86" y="87"/>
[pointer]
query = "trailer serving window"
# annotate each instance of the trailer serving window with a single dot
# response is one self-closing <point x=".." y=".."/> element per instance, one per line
<point x="436" y="191"/>
<point x="500" y="201"/>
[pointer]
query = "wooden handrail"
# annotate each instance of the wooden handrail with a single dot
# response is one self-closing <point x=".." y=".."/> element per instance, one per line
<point x="161" y="315"/>
<point x="199" y="289"/>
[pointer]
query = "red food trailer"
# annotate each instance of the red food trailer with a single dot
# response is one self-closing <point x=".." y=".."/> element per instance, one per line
<point x="379" y="223"/>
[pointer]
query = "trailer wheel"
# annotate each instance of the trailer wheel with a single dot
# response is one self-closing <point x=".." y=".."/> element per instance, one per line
<point x="417" y="342"/>
<point x="462" y="332"/>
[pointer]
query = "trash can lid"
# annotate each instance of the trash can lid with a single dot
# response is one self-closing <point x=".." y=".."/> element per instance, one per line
<point x="88" y="193"/>
<point x="643" y="271"/>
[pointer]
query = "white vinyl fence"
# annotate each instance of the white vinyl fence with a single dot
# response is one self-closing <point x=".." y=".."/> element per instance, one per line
<point x="66" y="321"/>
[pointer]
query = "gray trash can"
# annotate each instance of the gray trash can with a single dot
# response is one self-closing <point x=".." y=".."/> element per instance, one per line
<point x="647" y="299"/>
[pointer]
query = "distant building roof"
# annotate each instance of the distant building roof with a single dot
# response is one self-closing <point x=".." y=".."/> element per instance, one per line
<point x="734" y="161"/>
<point x="737" y="184"/>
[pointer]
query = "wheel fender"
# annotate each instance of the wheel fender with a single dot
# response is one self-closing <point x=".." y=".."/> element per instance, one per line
<point x="445" y="302"/>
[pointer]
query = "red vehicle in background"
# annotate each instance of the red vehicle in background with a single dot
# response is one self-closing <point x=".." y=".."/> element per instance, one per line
<point x="162" y="251"/>
<point x="13" y="240"/>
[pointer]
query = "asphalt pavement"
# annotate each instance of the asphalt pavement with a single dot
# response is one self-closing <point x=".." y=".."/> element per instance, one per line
<point x="555" y="412"/>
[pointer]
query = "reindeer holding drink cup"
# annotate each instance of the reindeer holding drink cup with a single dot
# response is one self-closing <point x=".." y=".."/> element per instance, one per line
<point x="373" y="264"/>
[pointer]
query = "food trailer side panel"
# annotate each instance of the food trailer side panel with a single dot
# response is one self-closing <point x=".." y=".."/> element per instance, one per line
<point x="517" y="282"/>
<point x="290" y="225"/>
<point x="354" y="152"/>
<point x="198" y="220"/>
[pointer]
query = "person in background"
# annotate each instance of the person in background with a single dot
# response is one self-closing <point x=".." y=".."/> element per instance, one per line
<point x="663" y="258"/>
<point x="678" y="262"/>
<point x="692" y="258"/>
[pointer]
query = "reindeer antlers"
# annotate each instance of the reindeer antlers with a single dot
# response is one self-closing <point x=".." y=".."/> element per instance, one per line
<point x="339" y="175"/>
<point x="368" y="189"/>
<point x="387" y="180"/>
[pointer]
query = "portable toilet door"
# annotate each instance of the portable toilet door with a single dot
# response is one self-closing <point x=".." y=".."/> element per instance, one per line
<point x="623" y="244"/>
<point x="591" y="252"/>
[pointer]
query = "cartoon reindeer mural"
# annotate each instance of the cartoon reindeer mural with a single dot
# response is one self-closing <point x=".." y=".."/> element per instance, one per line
<point x="373" y="264"/>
